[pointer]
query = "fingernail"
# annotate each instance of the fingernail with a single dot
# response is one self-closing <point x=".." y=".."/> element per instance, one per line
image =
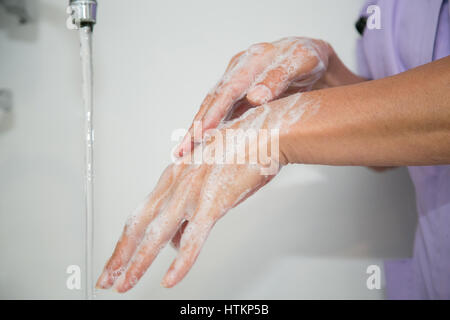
<point x="121" y="285"/>
<point x="167" y="281"/>
<point x="184" y="146"/>
<point x="164" y="284"/>
<point x="259" y="94"/>
<point x="103" y="281"/>
<point x="178" y="152"/>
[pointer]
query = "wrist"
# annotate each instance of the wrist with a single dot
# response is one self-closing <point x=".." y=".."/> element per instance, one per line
<point x="297" y="112"/>
<point x="337" y="73"/>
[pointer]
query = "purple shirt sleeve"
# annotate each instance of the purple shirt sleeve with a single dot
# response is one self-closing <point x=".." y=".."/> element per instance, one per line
<point x="415" y="32"/>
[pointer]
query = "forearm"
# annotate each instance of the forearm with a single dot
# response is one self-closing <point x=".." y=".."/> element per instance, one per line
<point x="399" y="120"/>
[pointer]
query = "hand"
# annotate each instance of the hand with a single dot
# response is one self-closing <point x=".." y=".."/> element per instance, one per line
<point x="262" y="73"/>
<point x="189" y="198"/>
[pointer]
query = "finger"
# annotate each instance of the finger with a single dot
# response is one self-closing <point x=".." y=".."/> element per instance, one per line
<point x="265" y="90"/>
<point x="159" y="232"/>
<point x="241" y="72"/>
<point x="238" y="80"/>
<point x="188" y="140"/>
<point x="135" y="227"/>
<point x="234" y="60"/>
<point x="224" y="187"/>
<point x="191" y="242"/>
<point x="296" y="63"/>
<point x="192" y="239"/>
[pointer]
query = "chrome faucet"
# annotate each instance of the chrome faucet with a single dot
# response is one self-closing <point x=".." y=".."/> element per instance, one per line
<point x="83" y="13"/>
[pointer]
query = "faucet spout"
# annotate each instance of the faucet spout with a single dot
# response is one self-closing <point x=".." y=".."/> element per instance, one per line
<point x="83" y="13"/>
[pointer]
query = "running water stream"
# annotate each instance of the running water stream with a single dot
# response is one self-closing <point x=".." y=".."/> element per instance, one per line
<point x="87" y="85"/>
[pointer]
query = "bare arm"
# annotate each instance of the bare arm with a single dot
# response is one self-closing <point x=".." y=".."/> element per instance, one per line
<point x="399" y="120"/>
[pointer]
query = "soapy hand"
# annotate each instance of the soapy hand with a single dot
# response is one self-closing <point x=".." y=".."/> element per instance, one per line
<point x="262" y="73"/>
<point x="191" y="197"/>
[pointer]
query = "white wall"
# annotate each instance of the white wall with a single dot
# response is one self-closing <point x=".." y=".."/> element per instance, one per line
<point x="311" y="233"/>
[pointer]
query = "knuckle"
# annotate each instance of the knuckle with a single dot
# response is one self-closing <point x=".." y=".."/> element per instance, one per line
<point x="259" y="48"/>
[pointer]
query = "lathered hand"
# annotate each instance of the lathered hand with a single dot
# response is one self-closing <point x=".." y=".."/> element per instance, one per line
<point x="262" y="73"/>
<point x="190" y="197"/>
